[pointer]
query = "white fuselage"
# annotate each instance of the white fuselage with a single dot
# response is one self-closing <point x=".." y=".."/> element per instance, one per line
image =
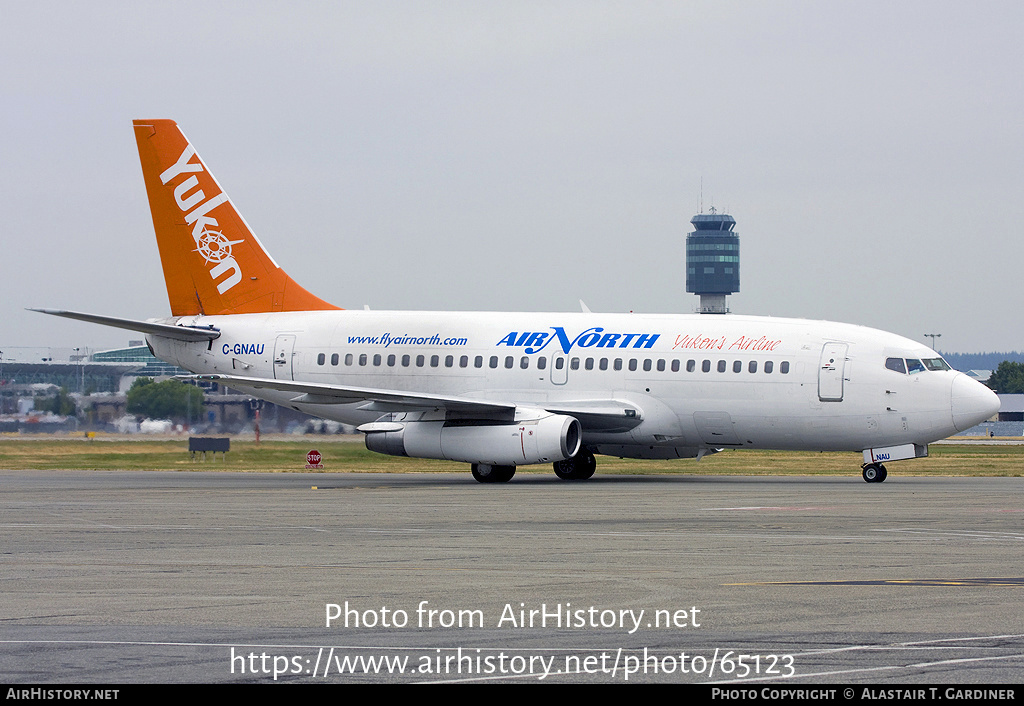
<point x="697" y="381"/>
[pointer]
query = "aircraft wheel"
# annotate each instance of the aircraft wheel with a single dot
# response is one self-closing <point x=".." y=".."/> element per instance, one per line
<point x="586" y="464"/>
<point x="882" y="473"/>
<point x="579" y="467"/>
<point x="504" y="473"/>
<point x="565" y="469"/>
<point x="486" y="473"/>
<point x="873" y="473"/>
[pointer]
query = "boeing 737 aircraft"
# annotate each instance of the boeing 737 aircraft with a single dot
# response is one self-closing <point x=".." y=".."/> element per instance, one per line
<point x="500" y="390"/>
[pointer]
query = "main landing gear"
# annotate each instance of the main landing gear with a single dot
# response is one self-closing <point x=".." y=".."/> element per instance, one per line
<point x="874" y="472"/>
<point x="579" y="467"/>
<point x="486" y="473"/>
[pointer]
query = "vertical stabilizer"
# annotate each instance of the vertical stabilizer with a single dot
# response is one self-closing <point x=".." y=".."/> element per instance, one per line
<point x="213" y="263"/>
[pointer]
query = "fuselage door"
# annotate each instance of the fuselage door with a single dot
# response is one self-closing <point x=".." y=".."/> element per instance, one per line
<point x="831" y="370"/>
<point x="283" y="351"/>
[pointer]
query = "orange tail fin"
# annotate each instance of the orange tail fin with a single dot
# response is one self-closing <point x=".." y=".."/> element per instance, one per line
<point x="213" y="263"/>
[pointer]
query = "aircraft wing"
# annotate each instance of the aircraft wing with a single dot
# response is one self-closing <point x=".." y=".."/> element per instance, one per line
<point x="594" y="415"/>
<point x="376" y="399"/>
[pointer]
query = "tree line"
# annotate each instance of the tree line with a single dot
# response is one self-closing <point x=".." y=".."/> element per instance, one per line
<point x="1008" y="378"/>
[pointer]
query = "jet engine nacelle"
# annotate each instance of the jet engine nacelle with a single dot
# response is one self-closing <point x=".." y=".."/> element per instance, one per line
<point x="552" y="438"/>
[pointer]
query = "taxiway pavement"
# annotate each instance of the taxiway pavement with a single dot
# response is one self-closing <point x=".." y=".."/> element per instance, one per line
<point x="119" y="577"/>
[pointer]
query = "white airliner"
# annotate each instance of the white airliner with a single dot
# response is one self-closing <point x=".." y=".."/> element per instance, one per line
<point x="500" y="390"/>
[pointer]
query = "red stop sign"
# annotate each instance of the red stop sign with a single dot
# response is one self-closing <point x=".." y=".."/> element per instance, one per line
<point x="313" y="457"/>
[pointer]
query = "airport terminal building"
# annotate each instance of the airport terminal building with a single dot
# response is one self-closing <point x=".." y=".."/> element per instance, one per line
<point x="98" y="382"/>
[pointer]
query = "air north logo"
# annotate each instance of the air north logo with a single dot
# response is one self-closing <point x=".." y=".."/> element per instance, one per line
<point x="213" y="245"/>
<point x="535" y="341"/>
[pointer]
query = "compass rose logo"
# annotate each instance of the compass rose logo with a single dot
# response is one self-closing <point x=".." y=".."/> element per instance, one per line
<point x="214" y="246"/>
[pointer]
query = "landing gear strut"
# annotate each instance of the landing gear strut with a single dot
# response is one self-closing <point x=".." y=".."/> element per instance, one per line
<point x="486" y="473"/>
<point x="874" y="473"/>
<point x="579" y="467"/>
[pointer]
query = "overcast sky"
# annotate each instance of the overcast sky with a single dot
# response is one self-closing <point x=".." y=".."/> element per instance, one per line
<point x="525" y="155"/>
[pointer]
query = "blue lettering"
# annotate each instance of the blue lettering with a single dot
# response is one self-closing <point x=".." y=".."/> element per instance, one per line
<point x="594" y="337"/>
<point x="243" y="348"/>
<point x="536" y="339"/>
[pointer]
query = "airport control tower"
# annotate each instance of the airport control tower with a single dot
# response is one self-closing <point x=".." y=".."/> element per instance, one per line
<point x="713" y="261"/>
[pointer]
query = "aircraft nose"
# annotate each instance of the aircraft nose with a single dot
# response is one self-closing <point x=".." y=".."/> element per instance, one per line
<point x="971" y="402"/>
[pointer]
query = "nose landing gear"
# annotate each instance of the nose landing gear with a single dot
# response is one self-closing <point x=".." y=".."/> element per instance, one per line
<point x="874" y="472"/>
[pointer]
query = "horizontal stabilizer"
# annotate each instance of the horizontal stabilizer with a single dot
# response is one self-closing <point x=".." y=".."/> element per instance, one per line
<point x="180" y="333"/>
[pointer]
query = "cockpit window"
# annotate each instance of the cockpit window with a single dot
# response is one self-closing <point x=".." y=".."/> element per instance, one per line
<point x="936" y="364"/>
<point x="914" y="366"/>
<point x="896" y="364"/>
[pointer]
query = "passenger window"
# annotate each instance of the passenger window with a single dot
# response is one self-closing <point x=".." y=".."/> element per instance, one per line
<point x="574" y="364"/>
<point x="914" y="366"/>
<point x="737" y="366"/>
<point x="559" y="363"/>
<point x="376" y="359"/>
<point x="784" y="367"/>
<point x="434" y="361"/>
<point x="721" y="366"/>
<point x="362" y="359"/>
<point x="691" y="365"/>
<point x="405" y="361"/>
<point x="603" y="364"/>
<point x="464" y="361"/>
<point x="420" y="360"/>
<point x="706" y="366"/>
<point x="334" y="359"/>
<point x="449" y="361"/>
<point x="617" y="364"/>
<point x="896" y="364"/>
<point x="348" y="359"/>
<point x="769" y="366"/>
<point x="509" y="361"/>
<point x="588" y="364"/>
<point x="493" y="362"/>
<point x="632" y="364"/>
<point x="478" y="362"/>
<point x="391" y="361"/>
<point x="320" y="359"/>
<point x="661" y="365"/>
<point x="647" y="365"/>
<point x="542" y="363"/>
<point x="524" y="362"/>
<point x="753" y="366"/>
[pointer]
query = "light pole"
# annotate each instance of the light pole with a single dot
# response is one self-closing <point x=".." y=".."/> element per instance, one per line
<point x="933" y="336"/>
<point x="81" y="362"/>
<point x="79" y="357"/>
